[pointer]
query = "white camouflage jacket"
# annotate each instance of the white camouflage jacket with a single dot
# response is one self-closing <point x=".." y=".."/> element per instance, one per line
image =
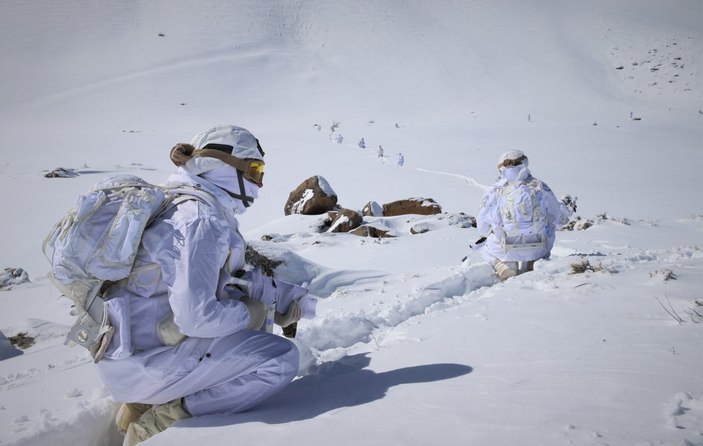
<point x="492" y="223"/>
<point x="183" y="265"/>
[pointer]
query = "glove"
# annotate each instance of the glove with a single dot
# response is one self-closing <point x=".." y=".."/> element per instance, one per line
<point x="257" y="312"/>
<point x="569" y="203"/>
<point x="258" y="285"/>
<point x="292" y="315"/>
<point x="478" y="243"/>
<point x="269" y="291"/>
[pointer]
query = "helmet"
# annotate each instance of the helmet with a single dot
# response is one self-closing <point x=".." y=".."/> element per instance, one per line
<point x="232" y="145"/>
<point x="233" y="140"/>
<point x="512" y="158"/>
<point x="213" y="152"/>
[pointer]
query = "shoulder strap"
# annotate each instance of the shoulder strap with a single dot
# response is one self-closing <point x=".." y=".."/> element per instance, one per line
<point x="180" y="194"/>
<point x="537" y="213"/>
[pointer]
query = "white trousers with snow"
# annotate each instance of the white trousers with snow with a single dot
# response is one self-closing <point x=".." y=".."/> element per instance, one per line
<point x="228" y="374"/>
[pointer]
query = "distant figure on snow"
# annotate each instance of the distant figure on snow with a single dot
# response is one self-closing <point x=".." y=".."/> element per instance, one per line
<point x="518" y="218"/>
<point x="379" y="151"/>
<point x="339" y="139"/>
<point x="400" y="159"/>
<point x="362" y="143"/>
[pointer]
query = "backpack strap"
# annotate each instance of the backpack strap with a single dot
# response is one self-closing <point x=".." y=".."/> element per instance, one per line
<point x="538" y="217"/>
<point x="180" y="194"/>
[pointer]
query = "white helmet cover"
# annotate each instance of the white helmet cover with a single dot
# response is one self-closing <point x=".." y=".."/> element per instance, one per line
<point x="244" y="144"/>
<point x="513" y="155"/>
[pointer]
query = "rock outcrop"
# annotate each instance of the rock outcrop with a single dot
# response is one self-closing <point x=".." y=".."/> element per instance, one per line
<point x="344" y="220"/>
<point x="420" y="206"/>
<point x="313" y="196"/>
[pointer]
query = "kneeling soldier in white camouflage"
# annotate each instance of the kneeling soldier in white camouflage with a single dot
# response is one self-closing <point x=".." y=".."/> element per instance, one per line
<point x="518" y="218"/>
<point x="188" y="336"/>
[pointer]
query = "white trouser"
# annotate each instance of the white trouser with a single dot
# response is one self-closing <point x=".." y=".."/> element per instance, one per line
<point x="228" y="374"/>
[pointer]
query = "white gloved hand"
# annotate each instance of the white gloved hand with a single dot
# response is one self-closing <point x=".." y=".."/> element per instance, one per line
<point x="292" y="315"/>
<point x="569" y="203"/>
<point x="257" y="312"/>
<point x="258" y="285"/>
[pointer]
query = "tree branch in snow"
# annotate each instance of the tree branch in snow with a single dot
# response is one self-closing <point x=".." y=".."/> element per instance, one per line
<point x="671" y="311"/>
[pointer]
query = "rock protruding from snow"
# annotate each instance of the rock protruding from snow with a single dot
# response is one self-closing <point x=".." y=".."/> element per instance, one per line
<point x="420" y="228"/>
<point x="13" y="276"/>
<point x="61" y="172"/>
<point x="371" y="231"/>
<point x="577" y="224"/>
<point x="462" y="220"/>
<point x="313" y="196"/>
<point x="372" y="209"/>
<point x="344" y="220"/>
<point x="420" y="206"/>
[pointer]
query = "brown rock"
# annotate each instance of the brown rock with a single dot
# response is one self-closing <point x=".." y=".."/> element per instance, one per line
<point x="313" y="196"/>
<point x="370" y="231"/>
<point x="420" y="206"/>
<point x="345" y="221"/>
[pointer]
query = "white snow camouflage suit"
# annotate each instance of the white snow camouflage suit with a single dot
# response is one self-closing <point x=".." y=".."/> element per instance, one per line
<point x="182" y="266"/>
<point x="524" y="210"/>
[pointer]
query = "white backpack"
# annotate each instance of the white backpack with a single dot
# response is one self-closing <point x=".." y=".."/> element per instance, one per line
<point x="96" y="243"/>
<point x="524" y="218"/>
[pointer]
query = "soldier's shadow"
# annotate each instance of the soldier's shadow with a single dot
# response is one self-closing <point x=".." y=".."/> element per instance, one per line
<point x="334" y="385"/>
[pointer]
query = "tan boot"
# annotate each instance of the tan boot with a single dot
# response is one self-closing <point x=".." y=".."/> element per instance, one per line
<point x="128" y="414"/>
<point x="505" y="270"/>
<point x="155" y="420"/>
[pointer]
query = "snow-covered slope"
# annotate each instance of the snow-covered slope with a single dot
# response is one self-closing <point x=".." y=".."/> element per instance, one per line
<point x="410" y="346"/>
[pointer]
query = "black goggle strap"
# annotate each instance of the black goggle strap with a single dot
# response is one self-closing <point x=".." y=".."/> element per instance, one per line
<point x="245" y="199"/>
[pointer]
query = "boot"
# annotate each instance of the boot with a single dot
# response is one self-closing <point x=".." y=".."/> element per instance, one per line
<point x="128" y="414"/>
<point x="526" y="266"/>
<point x="505" y="270"/>
<point x="290" y="330"/>
<point x="530" y="266"/>
<point x="155" y="420"/>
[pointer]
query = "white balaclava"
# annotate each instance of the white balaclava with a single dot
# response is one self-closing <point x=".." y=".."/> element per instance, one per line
<point x="226" y="178"/>
<point x="231" y="140"/>
<point x="514" y="174"/>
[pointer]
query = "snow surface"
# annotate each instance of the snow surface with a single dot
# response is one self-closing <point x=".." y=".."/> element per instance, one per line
<point x="410" y="346"/>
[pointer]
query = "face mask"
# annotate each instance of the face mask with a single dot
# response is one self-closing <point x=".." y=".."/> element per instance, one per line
<point x="251" y="191"/>
<point x="514" y="173"/>
<point x="227" y="179"/>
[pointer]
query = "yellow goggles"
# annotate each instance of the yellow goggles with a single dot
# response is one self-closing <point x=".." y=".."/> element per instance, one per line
<point x="254" y="171"/>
